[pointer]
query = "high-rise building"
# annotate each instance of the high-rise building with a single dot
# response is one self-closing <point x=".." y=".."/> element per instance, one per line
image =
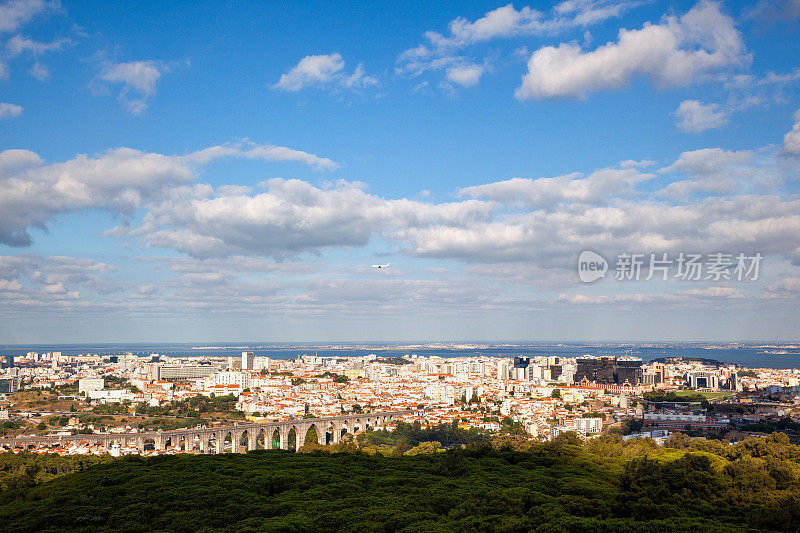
<point x="609" y="370"/>
<point x="629" y="369"/>
<point x="9" y="385"/>
<point x="247" y="360"/>
<point x="521" y="362"/>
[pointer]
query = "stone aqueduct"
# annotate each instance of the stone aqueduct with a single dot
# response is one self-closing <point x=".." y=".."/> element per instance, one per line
<point x="242" y="437"/>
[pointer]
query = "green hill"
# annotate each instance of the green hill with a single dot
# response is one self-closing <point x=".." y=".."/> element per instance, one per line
<point x="606" y="486"/>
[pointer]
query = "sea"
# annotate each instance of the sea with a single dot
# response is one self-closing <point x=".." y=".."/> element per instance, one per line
<point x="749" y="355"/>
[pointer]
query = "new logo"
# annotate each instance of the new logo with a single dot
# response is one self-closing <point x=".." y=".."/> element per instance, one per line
<point x="591" y="266"/>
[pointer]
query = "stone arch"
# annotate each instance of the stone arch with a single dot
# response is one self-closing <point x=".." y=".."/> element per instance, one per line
<point x="274" y="438"/>
<point x="291" y="438"/>
<point x="261" y="439"/>
<point x="245" y="440"/>
<point x="319" y="438"/>
<point x="225" y="438"/>
<point x="212" y="442"/>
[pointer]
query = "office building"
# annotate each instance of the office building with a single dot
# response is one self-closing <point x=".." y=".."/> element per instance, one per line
<point x="179" y="372"/>
<point x="609" y="370"/>
<point x="9" y="384"/>
<point x="247" y="360"/>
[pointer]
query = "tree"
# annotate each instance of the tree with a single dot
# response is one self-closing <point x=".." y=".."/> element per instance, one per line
<point x="556" y="393"/>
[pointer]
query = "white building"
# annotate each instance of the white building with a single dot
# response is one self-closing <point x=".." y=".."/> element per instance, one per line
<point x="247" y="360"/>
<point x="90" y="384"/>
<point x="241" y="379"/>
<point x="704" y="380"/>
<point x="110" y="396"/>
<point x="589" y="425"/>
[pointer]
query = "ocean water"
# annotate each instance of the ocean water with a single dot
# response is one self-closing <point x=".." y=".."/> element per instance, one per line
<point x="746" y="355"/>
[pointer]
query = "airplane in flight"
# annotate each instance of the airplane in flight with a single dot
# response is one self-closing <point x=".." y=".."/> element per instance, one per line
<point x="381" y="266"/>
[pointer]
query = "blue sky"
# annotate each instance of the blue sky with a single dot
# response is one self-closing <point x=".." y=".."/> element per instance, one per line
<point x="223" y="172"/>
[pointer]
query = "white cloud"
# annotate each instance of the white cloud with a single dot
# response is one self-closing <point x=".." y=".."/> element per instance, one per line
<point x="713" y="170"/>
<point x="707" y="295"/>
<point x="439" y="51"/>
<point x="675" y="52"/>
<point x="323" y="71"/>
<point x="138" y="80"/>
<point x="694" y="116"/>
<point x="40" y="71"/>
<point x="29" y="281"/>
<point x="605" y="210"/>
<point x="506" y="21"/>
<point x="465" y="75"/>
<point x="554" y="238"/>
<point x="119" y="180"/>
<point x="18" y="45"/>
<point x="572" y="188"/>
<point x="770" y="11"/>
<point x="264" y="152"/>
<point x="15" y="13"/>
<point x="791" y="141"/>
<point x="9" y="110"/>
<point x="291" y="217"/>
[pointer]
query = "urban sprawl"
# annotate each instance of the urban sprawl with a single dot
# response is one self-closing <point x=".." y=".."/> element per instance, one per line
<point x="59" y="396"/>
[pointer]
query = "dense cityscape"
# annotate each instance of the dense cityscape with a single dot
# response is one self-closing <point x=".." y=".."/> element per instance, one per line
<point x="56" y="395"/>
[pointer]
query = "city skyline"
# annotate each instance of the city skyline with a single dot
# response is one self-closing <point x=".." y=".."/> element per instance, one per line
<point x="236" y="177"/>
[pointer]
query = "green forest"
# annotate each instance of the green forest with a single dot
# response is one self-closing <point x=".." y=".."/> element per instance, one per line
<point x="507" y="484"/>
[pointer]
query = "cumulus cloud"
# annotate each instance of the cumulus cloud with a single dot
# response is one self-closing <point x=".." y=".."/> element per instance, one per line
<point x="325" y="70"/>
<point x="694" y="116"/>
<point x="291" y="217"/>
<point x="30" y="280"/>
<point x="9" y="110"/>
<point x="441" y="51"/>
<point x="465" y="75"/>
<point x="15" y="13"/>
<point x="791" y="141"/>
<point x="546" y="220"/>
<point x="675" y="52"/>
<point x="549" y="192"/>
<point x="138" y="80"/>
<point x="713" y="170"/>
<point x="506" y="21"/>
<point x="552" y="238"/>
<point x="120" y="180"/>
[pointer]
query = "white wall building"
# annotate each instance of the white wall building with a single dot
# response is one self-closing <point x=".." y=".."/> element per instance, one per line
<point x="247" y="360"/>
<point x="241" y="379"/>
<point x="589" y="425"/>
<point x="90" y="384"/>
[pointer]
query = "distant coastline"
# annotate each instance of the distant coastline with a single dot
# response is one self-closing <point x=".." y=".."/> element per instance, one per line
<point x="755" y="355"/>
